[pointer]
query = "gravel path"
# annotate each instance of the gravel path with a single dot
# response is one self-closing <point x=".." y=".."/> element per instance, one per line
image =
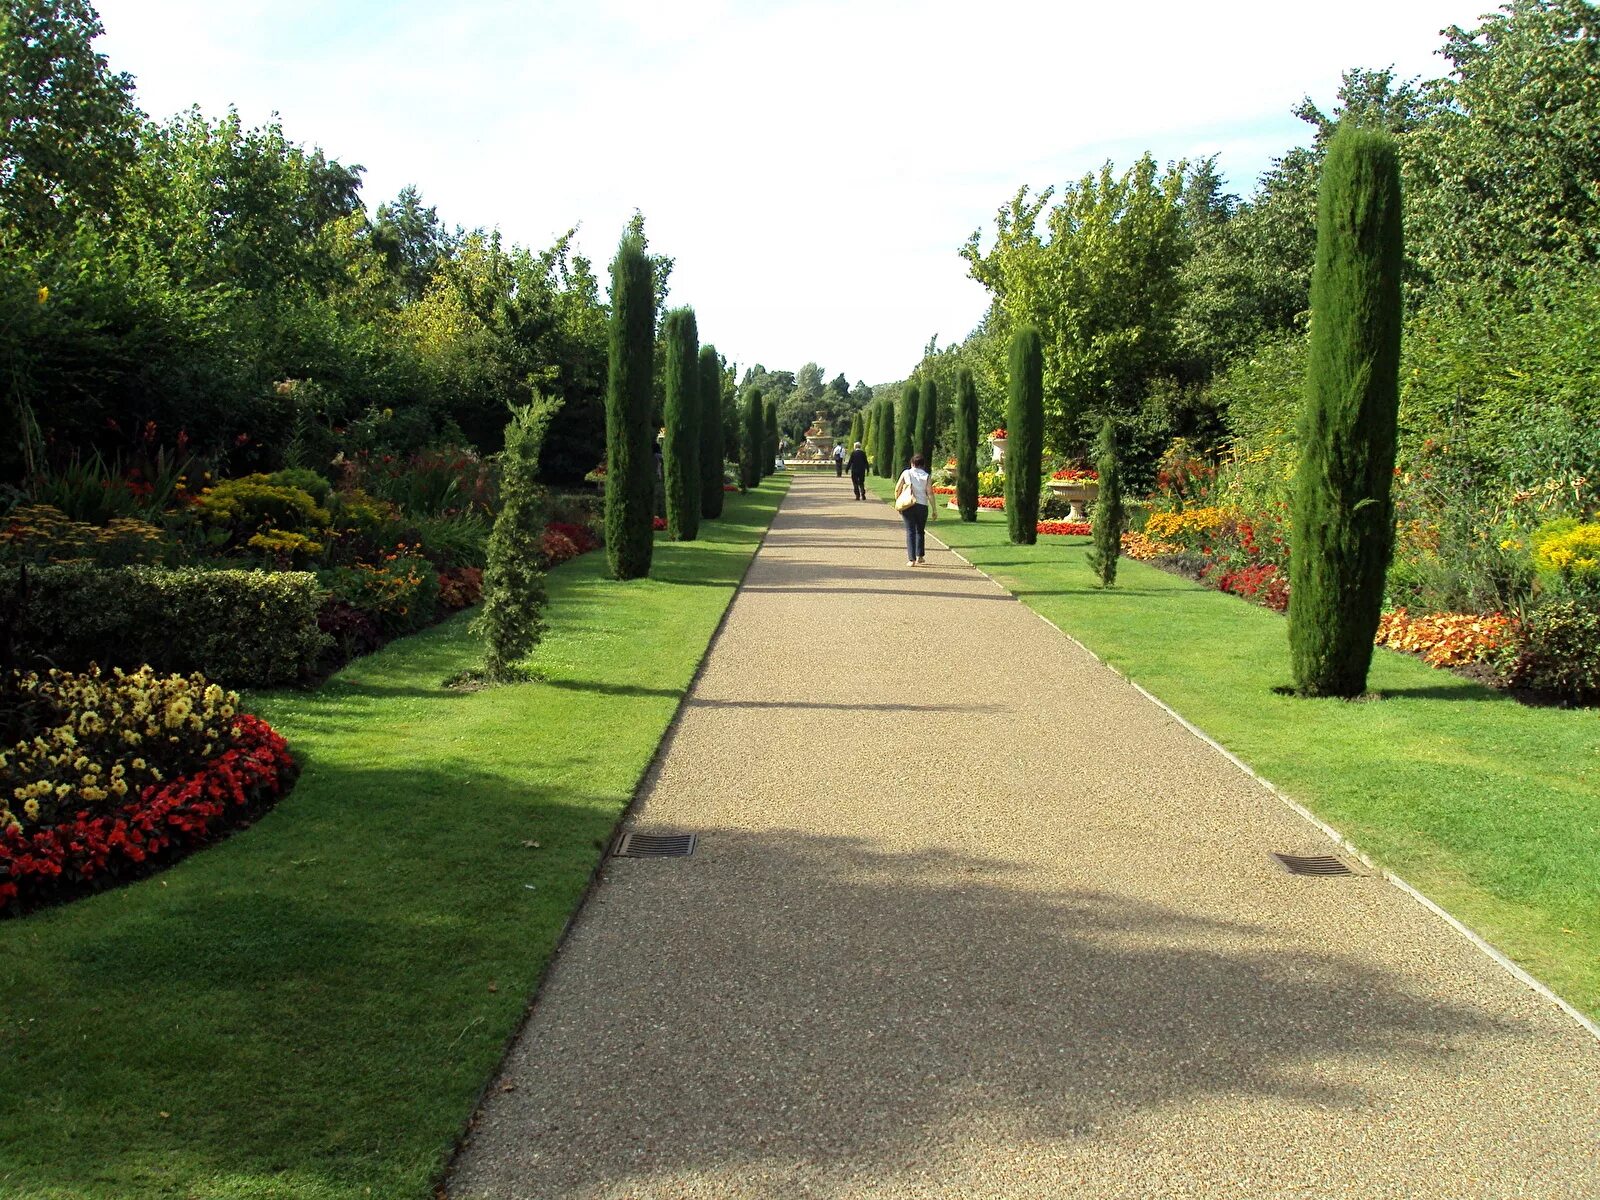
<point x="970" y="917"/>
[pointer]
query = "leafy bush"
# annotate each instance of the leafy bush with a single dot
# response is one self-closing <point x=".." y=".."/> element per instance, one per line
<point x="307" y="481"/>
<point x="248" y="628"/>
<point x="1558" y="651"/>
<point x="458" y="540"/>
<point x="41" y="533"/>
<point x="400" y="594"/>
<point x="1567" y="553"/>
<point x="512" y="620"/>
<point x="460" y="587"/>
<point x="253" y="502"/>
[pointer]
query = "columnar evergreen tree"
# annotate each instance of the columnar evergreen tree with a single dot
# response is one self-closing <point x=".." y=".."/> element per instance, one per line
<point x="967" y="445"/>
<point x="630" y="461"/>
<point x="927" y="419"/>
<point x="869" y="434"/>
<point x="511" y="619"/>
<point x="680" y="452"/>
<point x="1108" y="513"/>
<point x="856" y="429"/>
<point x="1024" y="436"/>
<point x="754" y="439"/>
<point x="886" y="440"/>
<point x="709" y="375"/>
<point x="1343" y="511"/>
<point x="771" y="466"/>
<point x="905" y="426"/>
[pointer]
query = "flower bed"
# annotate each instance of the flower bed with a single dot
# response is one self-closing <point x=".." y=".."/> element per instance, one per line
<point x="1446" y="639"/>
<point x="1076" y="475"/>
<point x="1066" y="528"/>
<point x="117" y="775"/>
<point x="1143" y="547"/>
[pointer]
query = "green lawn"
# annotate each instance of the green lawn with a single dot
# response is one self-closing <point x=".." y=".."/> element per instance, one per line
<point x="310" y="1009"/>
<point x="1489" y="807"/>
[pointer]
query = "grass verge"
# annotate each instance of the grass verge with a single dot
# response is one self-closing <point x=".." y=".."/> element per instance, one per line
<point x="309" y="1010"/>
<point x="1489" y="807"/>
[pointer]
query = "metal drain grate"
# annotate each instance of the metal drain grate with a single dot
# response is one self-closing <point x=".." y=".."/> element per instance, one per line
<point x="1312" y="864"/>
<point x="654" y="845"/>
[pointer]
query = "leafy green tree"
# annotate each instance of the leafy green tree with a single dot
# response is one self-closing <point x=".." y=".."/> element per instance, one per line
<point x="681" y="450"/>
<point x="1108" y="513"/>
<point x="511" y="620"/>
<point x="1343" y="516"/>
<point x="927" y="416"/>
<point x="67" y="122"/>
<point x="709" y="377"/>
<point x="1025" y="436"/>
<point x="967" y="445"/>
<point x="630" y="461"/>
<point x="412" y="241"/>
<point x="755" y="438"/>
<point x="905" y="423"/>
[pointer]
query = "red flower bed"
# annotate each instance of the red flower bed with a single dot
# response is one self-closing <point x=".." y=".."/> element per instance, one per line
<point x="1066" y="528"/>
<point x="941" y="490"/>
<point x="1076" y="475"/>
<point x="995" y="502"/>
<point x="90" y="851"/>
<point x="730" y="487"/>
<point x="658" y="524"/>
<point x="1261" y="582"/>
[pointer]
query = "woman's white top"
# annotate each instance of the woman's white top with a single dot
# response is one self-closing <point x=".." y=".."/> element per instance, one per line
<point x="917" y="481"/>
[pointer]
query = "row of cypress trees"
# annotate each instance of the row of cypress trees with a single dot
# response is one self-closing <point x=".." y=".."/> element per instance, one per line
<point x="692" y="447"/>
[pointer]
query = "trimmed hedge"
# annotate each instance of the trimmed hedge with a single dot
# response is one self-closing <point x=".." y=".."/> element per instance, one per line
<point x="240" y="628"/>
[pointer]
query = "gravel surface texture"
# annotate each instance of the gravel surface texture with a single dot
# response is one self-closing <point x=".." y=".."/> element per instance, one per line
<point x="969" y="917"/>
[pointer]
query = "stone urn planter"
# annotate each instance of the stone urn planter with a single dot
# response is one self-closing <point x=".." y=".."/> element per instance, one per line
<point x="1077" y="493"/>
<point x="998" y="445"/>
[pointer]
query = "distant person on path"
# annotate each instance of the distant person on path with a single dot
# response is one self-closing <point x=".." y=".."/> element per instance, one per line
<point x="858" y="471"/>
<point x="838" y="461"/>
<point x="912" y="498"/>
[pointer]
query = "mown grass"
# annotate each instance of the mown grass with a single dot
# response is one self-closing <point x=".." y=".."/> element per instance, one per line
<point x="1489" y="807"/>
<point x="310" y="1009"/>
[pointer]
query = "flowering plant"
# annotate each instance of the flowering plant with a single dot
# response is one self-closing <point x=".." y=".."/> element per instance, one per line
<point x="1076" y="475"/>
<point x="998" y="434"/>
<point x="1066" y="528"/>
<point x="399" y="592"/>
<point x="1445" y="639"/>
<point x="43" y="533"/>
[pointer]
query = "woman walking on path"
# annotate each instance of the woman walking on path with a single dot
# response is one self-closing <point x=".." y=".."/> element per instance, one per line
<point x="912" y="498"/>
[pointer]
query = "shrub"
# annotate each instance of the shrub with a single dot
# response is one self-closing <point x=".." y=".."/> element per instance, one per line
<point x="1557" y="651"/>
<point x="400" y="593"/>
<point x="428" y="483"/>
<point x="1343" y="511"/>
<point x="1108" y="514"/>
<point x="681" y="446"/>
<point x="307" y="481"/>
<point x="254" y="502"/>
<point x="1025" y="427"/>
<point x="927" y="421"/>
<point x="630" y="461"/>
<point x="769" y="458"/>
<point x="709" y="377"/>
<point x="967" y="445"/>
<point x="1567" y="553"/>
<point x="247" y="628"/>
<point x="458" y="540"/>
<point x="512" y="620"/>
<point x="905" y="423"/>
<point x="113" y="773"/>
<point x="41" y="533"/>
<point x="886" y="439"/>
<point x="460" y="587"/>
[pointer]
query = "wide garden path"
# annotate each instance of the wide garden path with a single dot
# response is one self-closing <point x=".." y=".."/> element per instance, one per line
<point x="970" y="917"/>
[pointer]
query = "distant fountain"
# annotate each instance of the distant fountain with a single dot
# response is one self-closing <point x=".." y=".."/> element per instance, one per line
<point x="817" y="452"/>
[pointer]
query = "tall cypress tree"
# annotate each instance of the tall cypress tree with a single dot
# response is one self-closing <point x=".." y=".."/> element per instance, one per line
<point x="1108" y="514"/>
<point x="709" y="375"/>
<point x="905" y="426"/>
<point x="869" y="434"/>
<point x="630" y="461"/>
<point x="771" y="419"/>
<point x="927" y="421"/>
<point x="886" y="440"/>
<point x="680" y="453"/>
<point x="1024" y="436"/>
<point x="856" y="429"/>
<point x="755" y="437"/>
<point x="1343" y="508"/>
<point x="967" y="445"/>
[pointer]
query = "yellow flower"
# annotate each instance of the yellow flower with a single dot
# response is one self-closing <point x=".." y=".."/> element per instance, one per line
<point x="44" y="294"/>
<point x="30" y="809"/>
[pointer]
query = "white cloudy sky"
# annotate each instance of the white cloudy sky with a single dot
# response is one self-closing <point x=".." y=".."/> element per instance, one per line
<point x="811" y="165"/>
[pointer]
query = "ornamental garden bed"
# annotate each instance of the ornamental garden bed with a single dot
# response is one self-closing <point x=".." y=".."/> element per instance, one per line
<point x="108" y="778"/>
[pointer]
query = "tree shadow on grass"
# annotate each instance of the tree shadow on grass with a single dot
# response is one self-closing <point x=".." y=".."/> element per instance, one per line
<point x="877" y="1007"/>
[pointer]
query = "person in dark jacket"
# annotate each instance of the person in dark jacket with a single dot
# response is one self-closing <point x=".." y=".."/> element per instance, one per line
<point x="858" y="471"/>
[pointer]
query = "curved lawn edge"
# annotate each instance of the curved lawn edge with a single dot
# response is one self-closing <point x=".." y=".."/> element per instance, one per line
<point x="313" y="1008"/>
<point x="1484" y="806"/>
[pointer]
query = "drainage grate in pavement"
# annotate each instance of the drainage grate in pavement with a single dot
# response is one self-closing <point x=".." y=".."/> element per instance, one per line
<point x="1312" y="864"/>
<point x="654" y="845"/>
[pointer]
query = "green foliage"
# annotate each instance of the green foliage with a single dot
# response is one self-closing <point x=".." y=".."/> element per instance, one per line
<point x="905" y="424"/>
<point x="857" y="431"/>
<point x="754" y="441"/>
<point x="1024" y="435"/>
<point x="1108" y="512"/>
<point x="709" y="379"/>
<point x="1343" y="513"/>
<point x="458" y="540"/>
<point x="240" y="628"/>
<point x="927" y="420"/>
<point x="769" y="443"/>
<point x="681" y="449"/>
<point x="886" y="438"/>
<point x="1557" y="651"/>
<point x="399" y="595"/>
<point x="967" y="446"/>
<point x="630" y="461"/>
<point x="512" y="619"/>
<point x="258" y="502"/>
